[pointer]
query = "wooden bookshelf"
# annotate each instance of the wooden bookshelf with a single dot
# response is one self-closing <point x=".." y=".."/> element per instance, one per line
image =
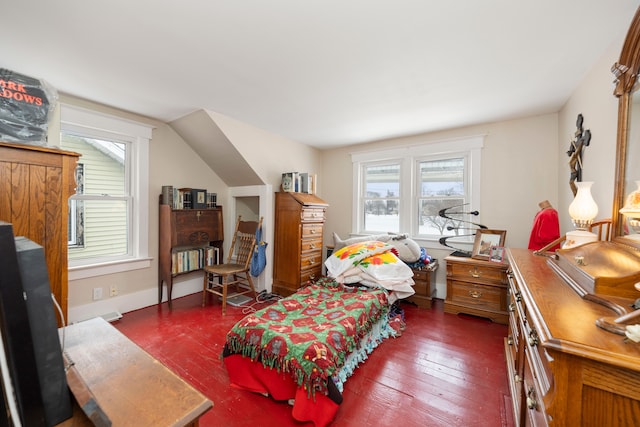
<point x="189" y="239"/>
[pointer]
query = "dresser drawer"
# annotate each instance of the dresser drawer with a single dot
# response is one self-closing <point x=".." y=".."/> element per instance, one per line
<point x="311" y="260"/>
<point x="310" y="274"/>
<point x="312" y="230"/>
<point x="312" y="244"/>
<point x="474" y="272"/>
<point x="533" y="395"/>
<point x="312" y="214"/>
<point x="483" y="297"/>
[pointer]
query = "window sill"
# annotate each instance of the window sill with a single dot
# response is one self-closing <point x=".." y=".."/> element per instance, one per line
<point x="87" y="271"/>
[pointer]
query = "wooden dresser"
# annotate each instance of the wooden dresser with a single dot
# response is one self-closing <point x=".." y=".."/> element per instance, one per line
<point x="477" y="287"/>
<point x="35" y="185"/>
<point x="185" y="235"/>
<point x="563" y="370"/>
<point x="297" y="249"/>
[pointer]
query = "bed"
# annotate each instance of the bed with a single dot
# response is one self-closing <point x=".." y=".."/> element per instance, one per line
<point x="303" y="348"/>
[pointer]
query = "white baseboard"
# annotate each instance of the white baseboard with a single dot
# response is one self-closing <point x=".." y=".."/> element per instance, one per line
<point x="132" y="301"/>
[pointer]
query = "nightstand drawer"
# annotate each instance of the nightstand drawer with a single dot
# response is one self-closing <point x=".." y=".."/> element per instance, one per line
<point x="473" y="272"/>
<point x="478" y="296"/>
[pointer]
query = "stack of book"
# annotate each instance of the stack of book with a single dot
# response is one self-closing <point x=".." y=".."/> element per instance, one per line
<point x="299" y="182"/>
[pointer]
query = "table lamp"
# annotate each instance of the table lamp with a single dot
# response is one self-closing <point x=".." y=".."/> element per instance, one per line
<point x="582" y="211"/>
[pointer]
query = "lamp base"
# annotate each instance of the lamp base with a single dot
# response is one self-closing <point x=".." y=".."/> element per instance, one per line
<point x="579" y="237"/>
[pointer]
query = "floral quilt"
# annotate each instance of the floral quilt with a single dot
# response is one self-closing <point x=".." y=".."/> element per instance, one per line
<point x="309" y="334"/>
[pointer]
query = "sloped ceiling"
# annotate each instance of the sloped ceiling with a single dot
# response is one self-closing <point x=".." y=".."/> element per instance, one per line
<point x="202" y="133"/>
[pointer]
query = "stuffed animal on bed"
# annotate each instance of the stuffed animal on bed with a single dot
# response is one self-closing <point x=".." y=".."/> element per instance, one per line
<point x="408" y="250"/>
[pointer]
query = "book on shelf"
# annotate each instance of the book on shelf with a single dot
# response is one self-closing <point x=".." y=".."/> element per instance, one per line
<point x="192" y="259"/>
<point x="187" y="198"/>
<point x="299" y="182"/>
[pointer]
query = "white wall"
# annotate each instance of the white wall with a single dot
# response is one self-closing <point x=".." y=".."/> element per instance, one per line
<point x="593" y="98"/>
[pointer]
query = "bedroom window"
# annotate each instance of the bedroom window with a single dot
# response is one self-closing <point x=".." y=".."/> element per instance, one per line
<point x="403" y="189"/>
<point x="109" y="211"/>
<point x="381" y="197"/>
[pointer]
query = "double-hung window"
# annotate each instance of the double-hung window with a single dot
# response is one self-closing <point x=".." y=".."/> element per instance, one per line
<point x="108" y="213"/>
<point x="403" y="190"/>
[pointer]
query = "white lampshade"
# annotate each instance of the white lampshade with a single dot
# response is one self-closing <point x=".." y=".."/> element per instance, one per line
<point x="583" y="209"/>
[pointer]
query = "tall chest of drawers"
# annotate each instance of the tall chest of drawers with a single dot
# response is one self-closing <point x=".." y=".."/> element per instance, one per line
<point x="298" y="235"/>
<point x="477" y="287"/>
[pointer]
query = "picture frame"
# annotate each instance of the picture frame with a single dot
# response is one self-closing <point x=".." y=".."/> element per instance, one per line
<point x="485" y="240"/>
<point x="198" y="199"/>
<point x="496" y="254"/>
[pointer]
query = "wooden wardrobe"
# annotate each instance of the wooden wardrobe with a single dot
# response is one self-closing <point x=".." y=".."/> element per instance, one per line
<point x="35" y="185"/>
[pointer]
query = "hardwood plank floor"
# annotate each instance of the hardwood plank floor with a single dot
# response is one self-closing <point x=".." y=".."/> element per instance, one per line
<point x="445" y="370"/>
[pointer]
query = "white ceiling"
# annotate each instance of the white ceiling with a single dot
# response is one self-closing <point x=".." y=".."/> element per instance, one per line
<point x="321" y="72"/>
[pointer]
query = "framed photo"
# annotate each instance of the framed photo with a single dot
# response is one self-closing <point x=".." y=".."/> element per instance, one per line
<point x="485" y="240"/>
<point x="496" y="254"/>
<point x="198" y="199"/>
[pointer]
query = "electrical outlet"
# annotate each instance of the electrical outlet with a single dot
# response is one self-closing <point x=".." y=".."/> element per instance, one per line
<point x="97" y="293"/>
<point x="113" y="291"/>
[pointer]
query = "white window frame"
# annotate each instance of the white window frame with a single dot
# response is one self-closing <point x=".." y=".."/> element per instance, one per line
<point x="90" y="123"/>
<point x="408" y="157"/>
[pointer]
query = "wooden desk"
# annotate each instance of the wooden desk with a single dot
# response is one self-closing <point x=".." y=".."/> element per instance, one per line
<point x="125" y="382"/>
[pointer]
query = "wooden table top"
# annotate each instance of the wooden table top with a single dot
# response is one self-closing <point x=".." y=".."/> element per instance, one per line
<point x="127" y="384"/>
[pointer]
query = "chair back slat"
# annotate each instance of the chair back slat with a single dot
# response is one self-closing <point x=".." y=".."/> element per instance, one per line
<point x="244" y="242"/>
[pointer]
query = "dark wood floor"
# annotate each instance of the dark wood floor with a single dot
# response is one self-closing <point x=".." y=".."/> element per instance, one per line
<point x="445" y="369"/>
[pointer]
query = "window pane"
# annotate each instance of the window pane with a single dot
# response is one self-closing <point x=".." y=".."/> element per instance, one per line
<point x="382" y="181"/>
<point x="432" y="223"/>
<point x="381" y="215"/>
<point x="442" y="177"/>
<point x="103" y="164"/>
<point x="382" y="198"/>
<point x="104" y="229"/>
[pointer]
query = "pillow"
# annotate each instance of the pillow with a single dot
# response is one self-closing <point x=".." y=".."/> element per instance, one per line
<point x="345" y="258"/>
<point x="338" y="243"/>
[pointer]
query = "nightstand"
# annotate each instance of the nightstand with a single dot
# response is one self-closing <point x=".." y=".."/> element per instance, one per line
<point x="423" y="277"/>
<point x="477" y="287"/>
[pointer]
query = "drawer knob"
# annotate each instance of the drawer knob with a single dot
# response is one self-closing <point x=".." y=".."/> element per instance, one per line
<point x="531" y="399"/>
<point x="517" y="378"/>
<point x="533" y="338"/>
<point x="312" y="260"/>
<point x="512" y="307"/>
<point x="510" y="340"/>
<point x="475" y="294"/>
<point x="312" y="231"/>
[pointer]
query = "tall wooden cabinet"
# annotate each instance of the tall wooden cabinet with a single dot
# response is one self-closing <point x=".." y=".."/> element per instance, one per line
<point x="562" y="369"/>
<point x="35" y="184"/>
<point x="299" y="227"/>
<point x="186" y="239"/>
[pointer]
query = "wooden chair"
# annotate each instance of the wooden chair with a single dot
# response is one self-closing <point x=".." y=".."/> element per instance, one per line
<point x="217" y="277"/>
<point x="603" y="228"/>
